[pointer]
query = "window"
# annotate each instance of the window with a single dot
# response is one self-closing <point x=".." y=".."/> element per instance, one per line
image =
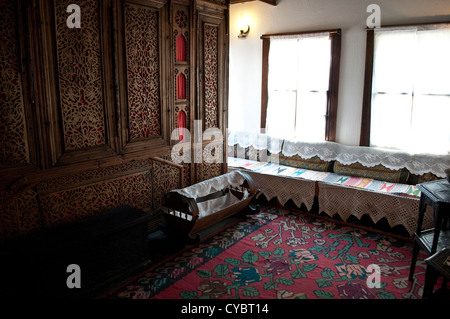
<point x="300" y="85"/>
<point x="407" y="99"/>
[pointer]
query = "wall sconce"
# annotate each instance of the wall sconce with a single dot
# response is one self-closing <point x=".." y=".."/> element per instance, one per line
<point x="245" y="29"/>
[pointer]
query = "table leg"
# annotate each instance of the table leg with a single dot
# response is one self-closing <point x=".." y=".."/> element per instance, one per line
<point x="422" y="209"/>
<point x="437" y="231"/>
<point x="415" y="254"/>
<point x="430" y="281"/>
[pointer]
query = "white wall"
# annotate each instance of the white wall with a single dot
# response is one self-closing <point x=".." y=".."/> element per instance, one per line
<point x="304" y="15"/>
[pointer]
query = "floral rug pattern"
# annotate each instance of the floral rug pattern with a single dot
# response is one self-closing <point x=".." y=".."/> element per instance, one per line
<point x="278" y="254"/>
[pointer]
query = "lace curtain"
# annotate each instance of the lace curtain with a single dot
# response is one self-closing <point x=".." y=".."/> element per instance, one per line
<point x="411" y="89"/>
<point x="298" y="81"/>
<point x="260" y="141"/>
<point x="368" y="156"/>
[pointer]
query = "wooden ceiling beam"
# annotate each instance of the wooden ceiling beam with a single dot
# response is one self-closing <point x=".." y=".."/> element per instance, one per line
<point x="271" y="2"/>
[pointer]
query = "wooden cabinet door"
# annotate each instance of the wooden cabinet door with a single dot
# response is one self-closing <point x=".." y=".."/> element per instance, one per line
<point x="142" y="50"/>
<point x="78" y="88"/>
<point x="212" y="78"/>
<point x="17" y="141"/>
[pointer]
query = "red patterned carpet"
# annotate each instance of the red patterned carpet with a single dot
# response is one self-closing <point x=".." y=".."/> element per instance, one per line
<point x="284" y="254"/>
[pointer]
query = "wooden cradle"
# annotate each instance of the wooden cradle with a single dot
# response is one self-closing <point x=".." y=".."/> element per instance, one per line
<point x="194" y="208"/>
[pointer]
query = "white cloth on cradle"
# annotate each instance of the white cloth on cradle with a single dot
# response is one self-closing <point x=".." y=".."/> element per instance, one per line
<point x="232" y="179"/>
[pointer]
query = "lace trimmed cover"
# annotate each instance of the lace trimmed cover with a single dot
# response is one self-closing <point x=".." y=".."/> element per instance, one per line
<point x="260" y="141"/>
<point x="369" y="156"/>
<point x="347" y="201"/>
<point x="276" y="181"/>
<point x="285" y="188"/>
<point x="328" y="151"/>
<point x="233" y="179"/>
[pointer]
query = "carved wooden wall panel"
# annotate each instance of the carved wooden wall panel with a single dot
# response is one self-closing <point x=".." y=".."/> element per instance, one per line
<point x="81" y="178"/>
<point x="79" y="60"/>
<point x="211" y="164"/>
<point x="82" y="194"/>
<point x="20" y="215"/>
<point x="212" y="63"/>
<point x="181" y="36"/>
<point x="181" y="40"/>
<point x="186" y="170"/>
<point x="142" y="49"/>
<point x="166" y="177"/>
<point x="100" y="103"/>
<point x="213" y="66"/>
<point x="75" y="203"/>
<point x="14" y="150"/>
<point x="187" y="174"/>
<point x="211" y="69"/>
<point x="206" y="171"/>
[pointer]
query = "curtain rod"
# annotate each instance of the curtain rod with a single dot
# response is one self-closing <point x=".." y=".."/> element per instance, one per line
<point x="332" y="31"/>
<point x="409" y="25"/>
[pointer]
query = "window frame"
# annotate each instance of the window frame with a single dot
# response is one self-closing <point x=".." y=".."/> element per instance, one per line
<point x="333" y="87"/>
<point x="368" y="78"/>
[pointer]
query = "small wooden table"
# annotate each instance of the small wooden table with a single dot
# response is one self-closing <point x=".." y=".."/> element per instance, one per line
<point x="437" y="195"/>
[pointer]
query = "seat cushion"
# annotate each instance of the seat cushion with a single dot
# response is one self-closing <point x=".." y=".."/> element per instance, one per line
<point x="378" y="172"/>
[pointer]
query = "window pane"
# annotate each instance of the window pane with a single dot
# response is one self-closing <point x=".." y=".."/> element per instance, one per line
<point x="433" y="62"/>
<point x="390" y="122"/>
<point x="281" y="114"/>
<point x="299" y="73"/>
<point x="314" y="58"/>
<point x="394" y="56"/>
<point x="283" y="64"/>
<point x="310" y="126"/>
<point x="411" y="90"/>
<point x="430" y="128"/>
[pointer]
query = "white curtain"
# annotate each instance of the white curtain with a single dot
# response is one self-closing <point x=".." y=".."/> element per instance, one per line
<point x="299" y="69"/>
<point x="411" y="90"/>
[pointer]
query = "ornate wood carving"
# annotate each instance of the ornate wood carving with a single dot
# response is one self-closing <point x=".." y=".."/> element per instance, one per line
<point x="104" y="162"/>
<point x="142" y="50"/>
<point x="181" y="34"/>
<point x="20" y="215"/>
<point x="78" y="179"/>
<point x="181" y="86"/>
<point x="211" y="34"/>
<point x="79" y="61"/>
<point x="206" y="171"/>
<point x="212" y="48"/>
<point x="166" y="177"/>
<point x="181" y="49"/>
<point x="75" y="203"/>
<point x="14" y="149"/>
<point x="186" y="170"/>
<point x="181" y="59"/>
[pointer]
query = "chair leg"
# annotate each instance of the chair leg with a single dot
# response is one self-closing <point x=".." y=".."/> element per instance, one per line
<point x="415" y="254"/>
